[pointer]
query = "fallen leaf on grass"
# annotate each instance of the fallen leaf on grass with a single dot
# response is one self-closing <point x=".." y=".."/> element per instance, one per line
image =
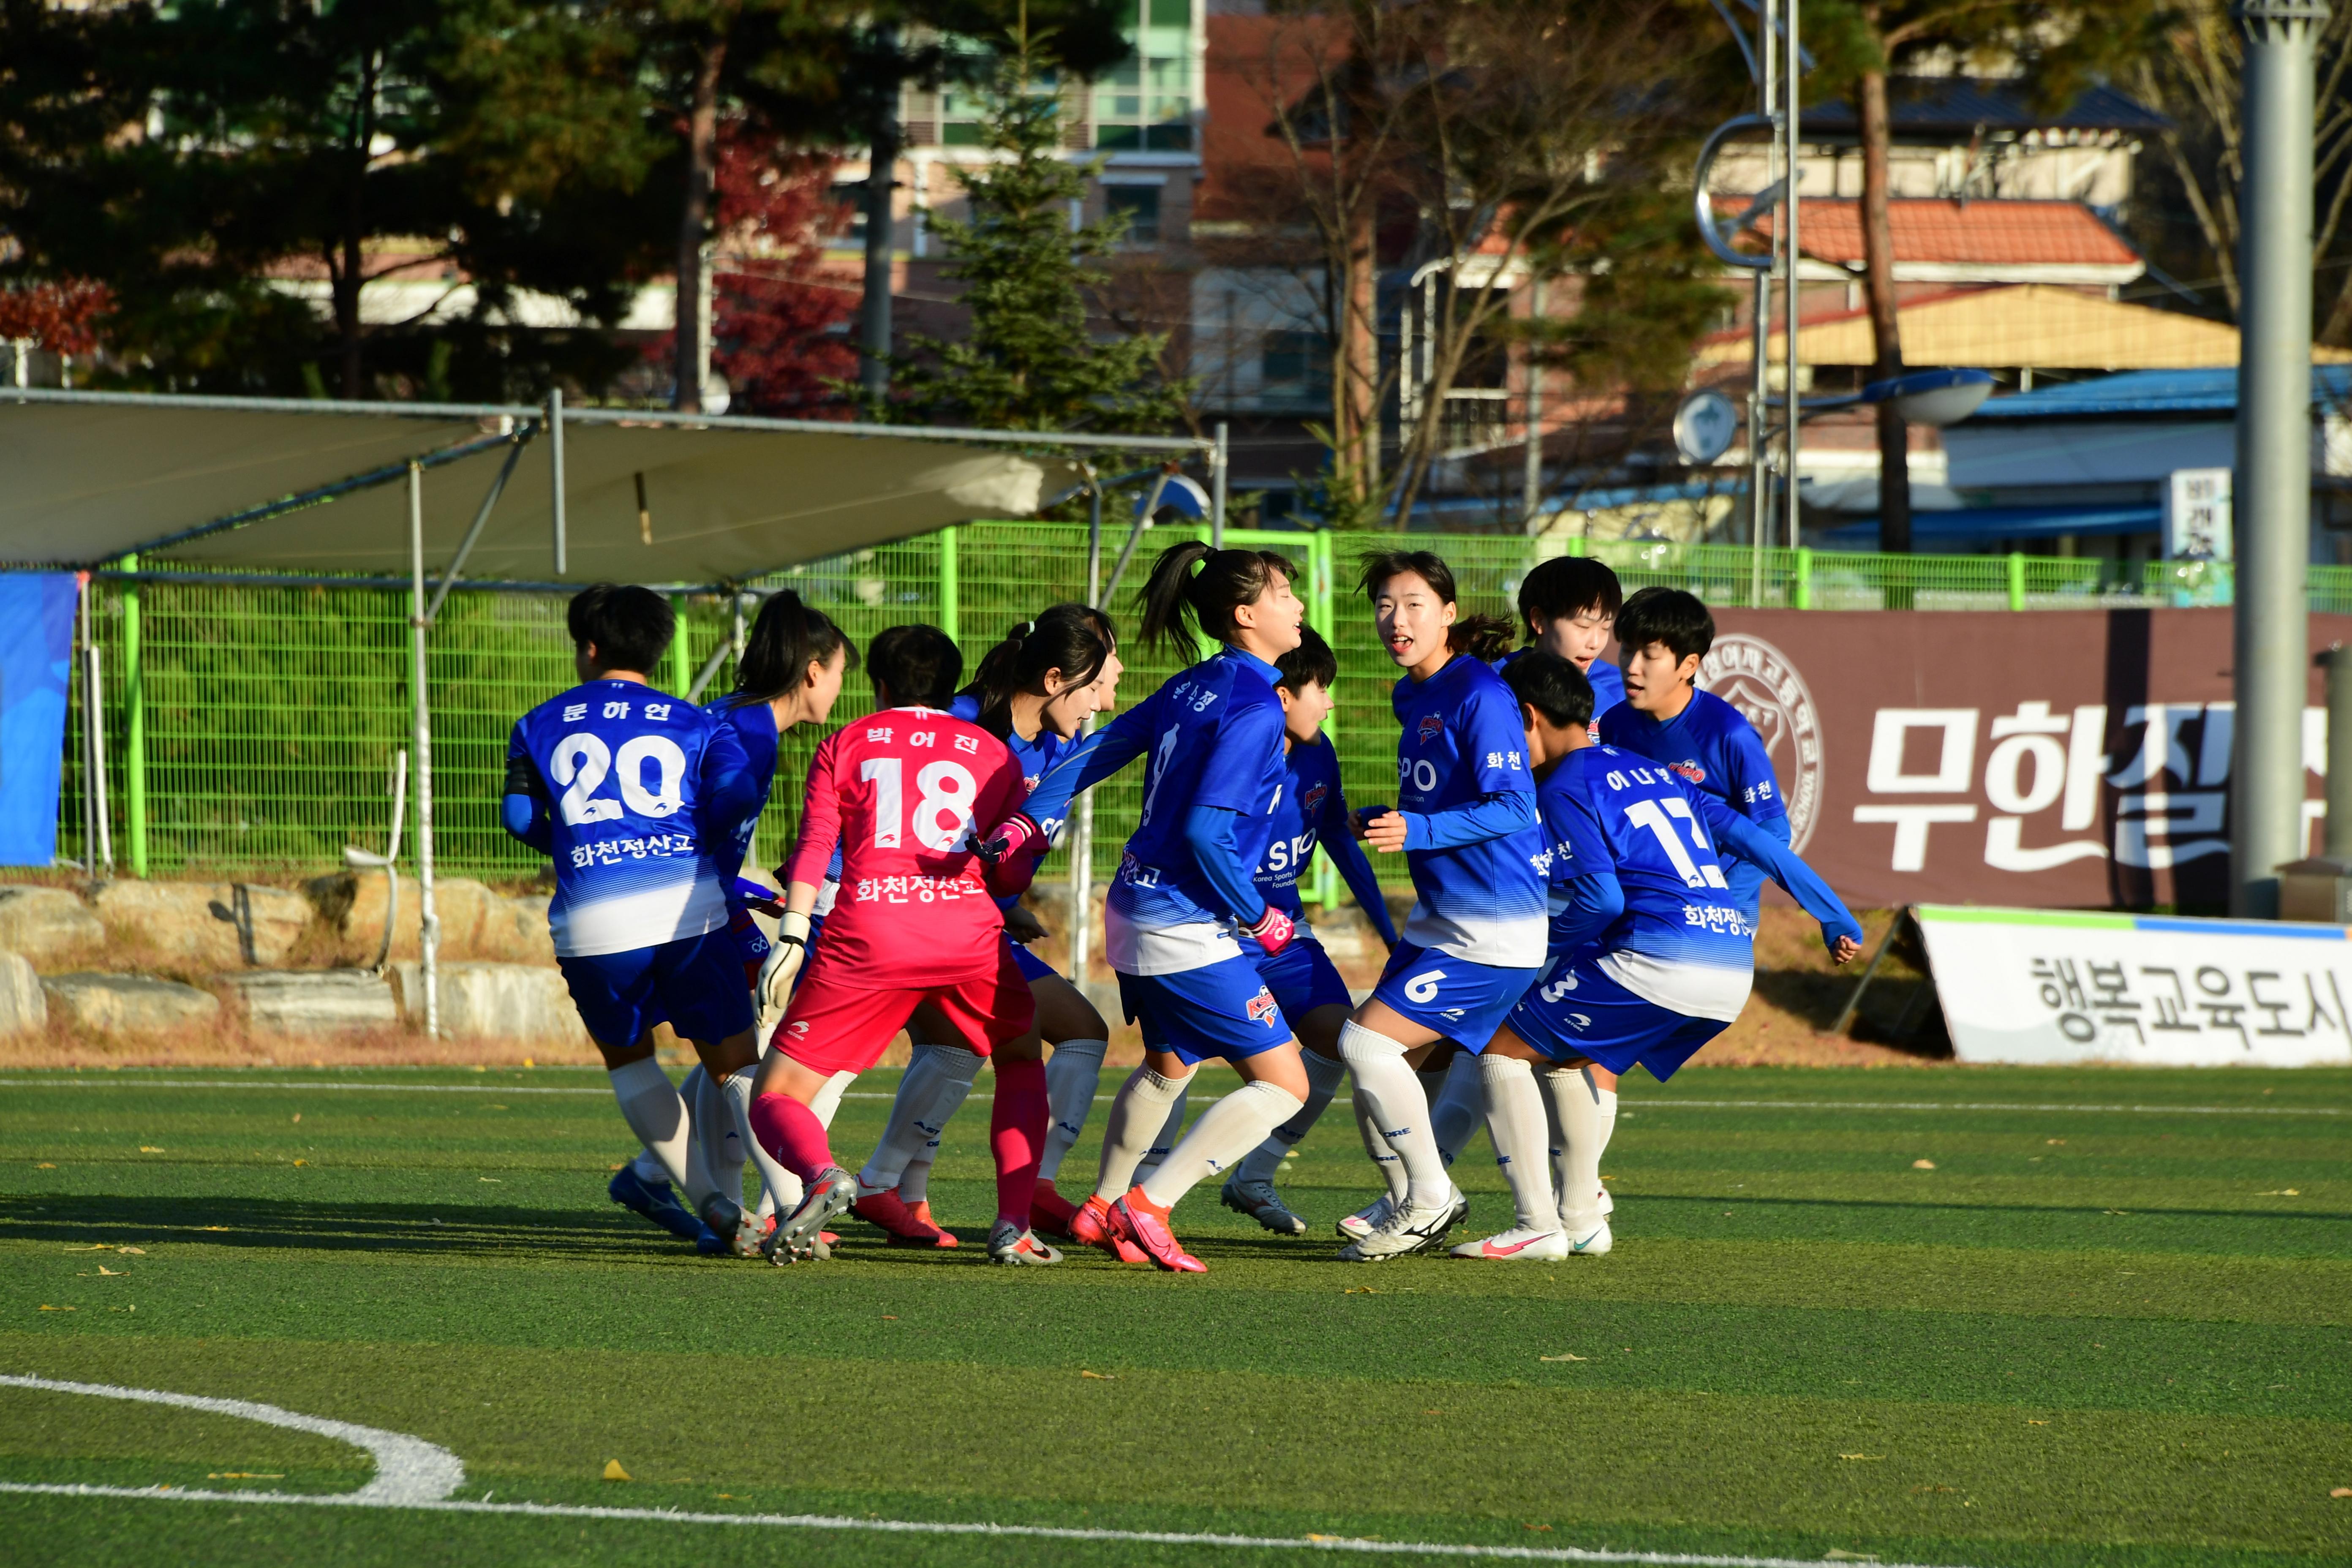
<point x="247" y="1476"/>
<point x="298" y="1116"/>
<point x="212" y="1227"/>
<point x="1563" y="1357"/>
<point x="1360" y="1290"/>
<point x="1834" y="1555"/>
<point x="302" y="1161"/>
<point x="133" y="1251"/>
<point x="2052" y="1143"/>
<point x="612" y="1471"/>
<point x="44" y="1165"/>
<point x="47" y="1308"/>
<point x="1917" y="1491"/>
<point x="889" y="1318"/>
<point x="1099" y="1376"/>
<point x="2037" y="1422"/>
<point x="624" y="1163"/>
<point x="1923" y="1165"/>
<point x="1546" y="1528"/>
<point x="2339" y="1491"/>
<point x="1862" y="1456"/>
<point x="1432" y="1413"/>
<point x="492" y="1180"/>
<point x="109" y="1273"/>
<point x="149" y="1149"/>
<point x="2281" y="1193"/>
<point x="2114" y="1211"/>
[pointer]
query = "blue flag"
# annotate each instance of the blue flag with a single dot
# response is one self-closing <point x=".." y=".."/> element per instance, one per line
<point x="36" y="624"/>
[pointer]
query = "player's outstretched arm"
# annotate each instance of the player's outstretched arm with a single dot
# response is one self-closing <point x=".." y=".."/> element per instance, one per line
<point x="1594" y="901"/>
<point x="1090" y="762"/>
<point x="1755" y="843"/>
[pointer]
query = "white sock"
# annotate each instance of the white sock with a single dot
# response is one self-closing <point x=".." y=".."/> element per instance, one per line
<point x="1516" y="1121"/>
<point x="1585" y="1115"/>
<point x="1226" y="1132"/>
<point x="935" y="1083"/>
<point x="652" y="1108"/>
<point x="1163" y="1141"/>
<point x="1138" y="1113"/>
<point x="1459" y="1108"/>
<point x="827" y="1103"/>
<point x="1323" y="1079"/>
<point x="1072" y="1073"/>
<point x="1384" y="1159"/>
<point x="714" y="1134"/>
<point x="1395" y="1099"/>
<point x="738" y="1087"/>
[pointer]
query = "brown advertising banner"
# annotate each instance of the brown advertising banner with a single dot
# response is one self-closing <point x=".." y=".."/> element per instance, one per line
<point x="2052" y="759"/>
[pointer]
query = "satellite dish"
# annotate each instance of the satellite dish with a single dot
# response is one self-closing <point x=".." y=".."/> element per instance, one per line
<point x="1936" y="397"/>
<point x="1184" y="497"/>
<point x="1704" y="426"/>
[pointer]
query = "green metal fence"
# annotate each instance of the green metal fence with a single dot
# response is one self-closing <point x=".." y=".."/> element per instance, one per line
<point x="252" y="729"/>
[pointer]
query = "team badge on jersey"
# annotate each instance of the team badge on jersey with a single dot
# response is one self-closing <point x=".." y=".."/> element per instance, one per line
<point x="1262" y="1007"/>
<point x="1431" y="726"/>
<point x="1690" y="771"/>
<point x="1310" y="803"/>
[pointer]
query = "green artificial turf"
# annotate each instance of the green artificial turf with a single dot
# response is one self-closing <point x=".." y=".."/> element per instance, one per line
<point x="2110" y="1323"/>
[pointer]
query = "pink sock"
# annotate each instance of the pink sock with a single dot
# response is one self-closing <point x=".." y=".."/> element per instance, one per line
<point x="1016" y="1136"/>
<point x="792" y="1135"/>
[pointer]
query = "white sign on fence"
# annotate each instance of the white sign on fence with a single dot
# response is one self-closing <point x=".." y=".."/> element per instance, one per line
<point x="2044" y="985"/>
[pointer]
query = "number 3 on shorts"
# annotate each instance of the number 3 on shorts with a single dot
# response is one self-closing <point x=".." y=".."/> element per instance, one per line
<point x="1422" y="988"/>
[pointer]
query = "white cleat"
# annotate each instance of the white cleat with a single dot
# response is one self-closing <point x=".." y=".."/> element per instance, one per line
<point x="1366" y="1220"/>
<point x="1596" y="1240"/>
<point x="1607" y="1204"/>
<point x="1405" y="1231"/>
<point x="1517" y="1245"/>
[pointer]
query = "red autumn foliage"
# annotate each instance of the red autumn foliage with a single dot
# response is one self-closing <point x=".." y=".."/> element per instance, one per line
<point x="59" y="317"/>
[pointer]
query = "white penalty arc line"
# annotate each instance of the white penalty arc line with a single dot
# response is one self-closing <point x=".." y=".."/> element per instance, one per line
<point x="110" y="1082"/>
<point x="417" y="1476"/>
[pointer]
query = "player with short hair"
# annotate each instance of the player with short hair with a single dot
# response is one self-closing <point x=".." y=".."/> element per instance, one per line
<point x="1184" y="901"/>
<point x="1662" y="635"/>
<point x="640" y="799"/>
<point x="1466" y="820"/>
<point x="1651" y="956"/>
<point x="1035" y="691"/>
<point x="1311" y="810"/>
<point x="1569" y="605"/>
<point x="900" y="792"/>
<point x="791" y="671"/>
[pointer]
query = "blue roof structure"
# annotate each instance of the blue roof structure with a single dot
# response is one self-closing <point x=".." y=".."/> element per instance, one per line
<point x="1947" y="107"/>
<point x="2212" y="390"/>
<point x="1953" y="531"/>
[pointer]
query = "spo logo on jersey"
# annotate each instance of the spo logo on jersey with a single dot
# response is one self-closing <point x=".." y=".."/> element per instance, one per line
<point x="1262" y="1009"/>
<point x="1311" y="800"/>
<point x="1431" y="726"/>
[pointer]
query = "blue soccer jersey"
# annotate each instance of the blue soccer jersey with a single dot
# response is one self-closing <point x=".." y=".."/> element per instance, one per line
<point x="1211" y="737"/>
<point x="638" y="798"/>
<point x="1608" y="683"/>
<point x="1712" y="747"/>
<point x="1036" y="758"/>
<point x="1683" y="940"/>
<point x="1312" y="810"/>
<point x="1470" y="848"/>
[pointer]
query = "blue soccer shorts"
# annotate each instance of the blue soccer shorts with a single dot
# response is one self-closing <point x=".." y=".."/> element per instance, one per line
<point x="1221" y="1009"/>
<point x="1462" y="1001"/>
<point x="1578" y="1010"/>
<point x="694" y="984"/>
<point x="1302" y="978"/>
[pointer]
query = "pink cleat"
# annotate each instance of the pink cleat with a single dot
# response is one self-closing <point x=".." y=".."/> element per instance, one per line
<point x="1091" y="1227"/>
<point x="1135" y="1220"/>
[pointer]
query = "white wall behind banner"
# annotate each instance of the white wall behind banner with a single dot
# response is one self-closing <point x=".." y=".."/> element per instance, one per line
<point x="2036" y="987"/>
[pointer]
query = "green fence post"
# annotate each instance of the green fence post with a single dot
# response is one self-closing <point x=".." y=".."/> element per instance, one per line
<point x="950" y="607"/>
<point x="681" y="654"/>
<point x="134" y="743"/>
<point x="2016" y="580"/>
<point x="1804" y="588"/>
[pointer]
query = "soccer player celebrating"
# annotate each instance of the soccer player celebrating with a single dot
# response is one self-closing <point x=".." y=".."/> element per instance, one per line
<point x="1035" y="691"/>
<point x="1466" y="820"/>
<point x="1569" y="605"/>
<point x="1310" y="810"/>
<point x="900" y="792"/>
<point x="640" y="799"/>
<point x="1651" y="956"/>
<point x="1183" y="902"/>
<point x="790" y="674"/>
<point x="1662" y="634"/>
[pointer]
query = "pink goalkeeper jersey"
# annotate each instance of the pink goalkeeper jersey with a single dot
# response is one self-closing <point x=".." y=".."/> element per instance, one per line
<point x="901" y="792"/>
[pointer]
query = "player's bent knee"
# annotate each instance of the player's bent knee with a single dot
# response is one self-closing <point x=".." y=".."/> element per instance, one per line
<point x="1357" y="1043"/>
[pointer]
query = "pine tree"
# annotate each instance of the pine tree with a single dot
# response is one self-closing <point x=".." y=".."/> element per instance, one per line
<point x="1032" y="361"/>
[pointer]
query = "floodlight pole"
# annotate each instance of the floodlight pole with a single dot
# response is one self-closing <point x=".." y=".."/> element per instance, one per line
<point x="1217" y="461"/>
<point x="428" y="925"/>
<point x="555" y="472"/>
<point x="2273" y="483"/>
<point x="1082" y="820"/>
<point x="1793" y="78"/>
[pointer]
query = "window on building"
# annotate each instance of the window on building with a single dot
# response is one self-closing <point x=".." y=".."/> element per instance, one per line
<point x="1141" y="204"/>
<point x="1295" y="367"/>
<point x="848" y="199"/>
<point x="1145" y="104"/>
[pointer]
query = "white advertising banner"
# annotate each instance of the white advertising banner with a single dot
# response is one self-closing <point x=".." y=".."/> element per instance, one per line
<point x="2044" y="986"/>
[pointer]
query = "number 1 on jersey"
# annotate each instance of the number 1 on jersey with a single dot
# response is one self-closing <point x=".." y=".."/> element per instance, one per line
<point x="946" y="793"/>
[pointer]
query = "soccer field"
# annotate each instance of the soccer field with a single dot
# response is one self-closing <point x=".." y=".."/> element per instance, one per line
<point x="1982" y="1318"/>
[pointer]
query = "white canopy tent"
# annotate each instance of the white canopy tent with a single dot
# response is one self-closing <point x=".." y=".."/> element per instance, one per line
<point x="359" y="493"/>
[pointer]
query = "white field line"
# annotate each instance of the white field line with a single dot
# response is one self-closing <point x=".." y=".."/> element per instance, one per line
<point x="416" y="1475"/>
<point x="935" y="1527"/>
<point x="112" y="1081"/>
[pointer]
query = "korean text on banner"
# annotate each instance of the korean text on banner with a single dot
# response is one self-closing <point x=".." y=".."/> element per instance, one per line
<point x="2033" y="986"/>
<point x="37" y="620"/>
